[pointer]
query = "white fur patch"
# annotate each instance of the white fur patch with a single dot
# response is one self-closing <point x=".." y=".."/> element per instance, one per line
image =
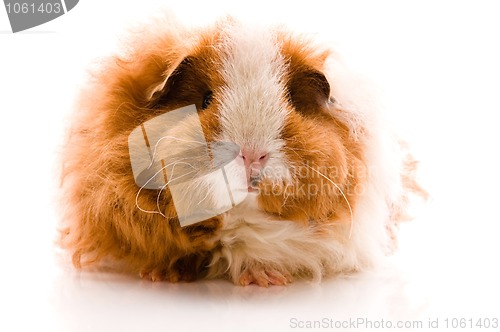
<point x="253" y="107"/>
<point x="251" y="238"/>
<point x="252" y="116"/>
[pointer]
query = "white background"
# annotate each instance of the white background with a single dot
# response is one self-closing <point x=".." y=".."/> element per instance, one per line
<point x="436" y="64"/>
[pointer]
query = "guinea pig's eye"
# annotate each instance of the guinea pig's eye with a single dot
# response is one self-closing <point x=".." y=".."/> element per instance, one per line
<point x="207" y="99"/>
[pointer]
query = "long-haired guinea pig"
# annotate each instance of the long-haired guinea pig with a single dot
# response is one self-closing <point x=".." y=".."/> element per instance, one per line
<point x="232" y="152"/>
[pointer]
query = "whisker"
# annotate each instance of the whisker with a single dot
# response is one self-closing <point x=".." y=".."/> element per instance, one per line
<point x="177" y="162"/>
<point x="163" y="188"/>
<point x="296" y="149"/>
<point x="158" y="200"/>
<point x="146" y="183"/>
<point x="286" y="198"/>
<point x="174" y="138"/>
<point x="142" y="187"/>
<point x="343" y="195"/>
<point x="204" y="198"/>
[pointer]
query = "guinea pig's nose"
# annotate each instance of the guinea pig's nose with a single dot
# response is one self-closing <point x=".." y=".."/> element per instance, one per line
<point x="254" y="158"/>
<point x="254" y="161"/>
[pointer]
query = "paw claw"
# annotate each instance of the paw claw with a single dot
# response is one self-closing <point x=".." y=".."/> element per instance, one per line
<point x="264" y="277"/>
<point x="156" y="275"/>
<point x="245" y="278"/>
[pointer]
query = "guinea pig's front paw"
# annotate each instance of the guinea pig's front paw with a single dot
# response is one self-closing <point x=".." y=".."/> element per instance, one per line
<point x="160" y="274"/>
<point x="186" y="268"/>
<point x="264" y="277"/>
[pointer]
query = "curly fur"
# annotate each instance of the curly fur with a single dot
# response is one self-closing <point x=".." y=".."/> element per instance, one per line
<point x="273" y="91"/>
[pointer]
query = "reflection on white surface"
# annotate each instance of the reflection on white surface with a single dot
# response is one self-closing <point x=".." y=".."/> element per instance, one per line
<point x="85" y="301"/>
<point x="438" y="66"/>
<point x="103" y="302"/>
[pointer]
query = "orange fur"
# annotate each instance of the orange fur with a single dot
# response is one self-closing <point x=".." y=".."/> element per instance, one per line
<point x="102" y="220"/>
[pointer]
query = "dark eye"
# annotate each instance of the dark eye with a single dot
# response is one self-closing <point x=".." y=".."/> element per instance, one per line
<point x="207" y="99"/>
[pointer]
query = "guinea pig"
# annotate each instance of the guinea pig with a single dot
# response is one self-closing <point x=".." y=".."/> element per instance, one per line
<point x="321" y="185"/>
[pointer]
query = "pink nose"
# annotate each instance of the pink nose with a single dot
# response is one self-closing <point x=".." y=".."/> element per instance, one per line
<point x="253" y="156"/>
<point x="254" y="161"/>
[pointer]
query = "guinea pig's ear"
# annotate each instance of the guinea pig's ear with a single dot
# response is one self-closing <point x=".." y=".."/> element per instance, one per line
<point x="161" y="85"/>
<point x="308" y="87"/>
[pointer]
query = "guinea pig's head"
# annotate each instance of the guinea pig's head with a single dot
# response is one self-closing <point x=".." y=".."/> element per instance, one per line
<point x="262" y="100"/>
